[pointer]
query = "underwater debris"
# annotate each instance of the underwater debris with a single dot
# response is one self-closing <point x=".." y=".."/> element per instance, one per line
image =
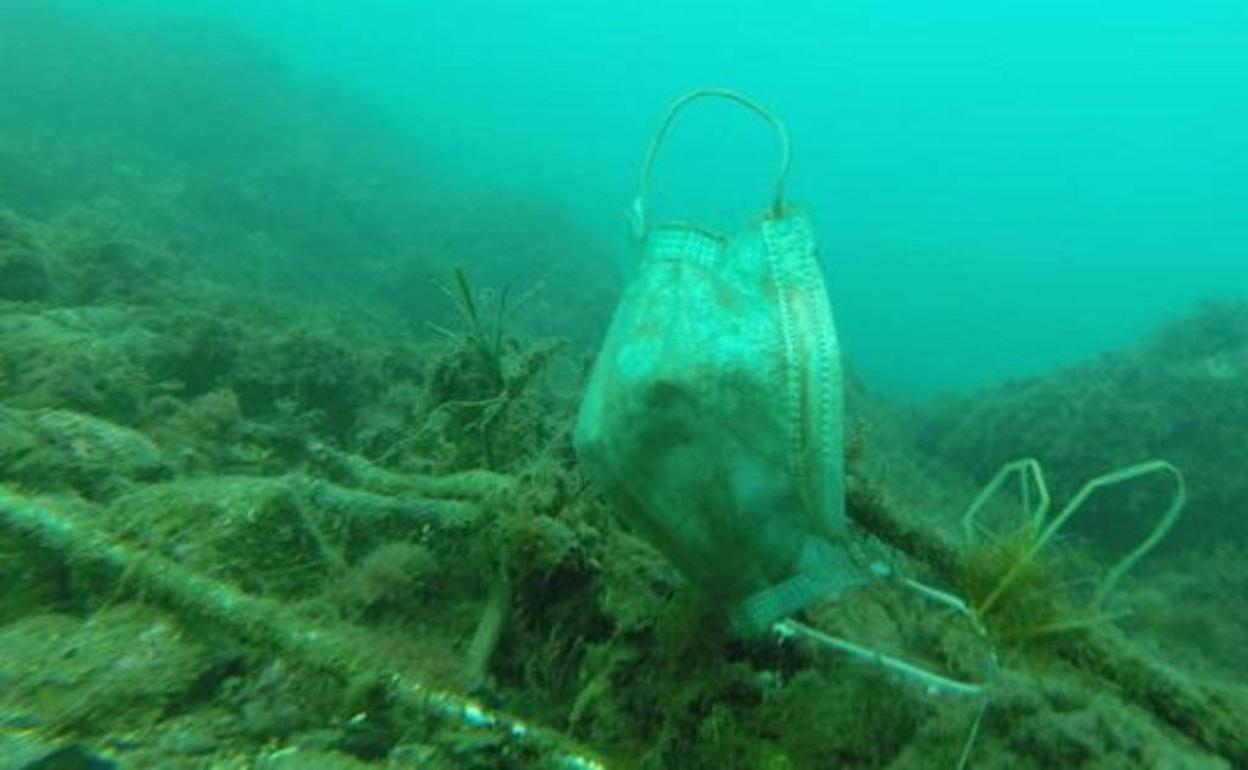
<point x="1194" y="708"/>
<point x="1038" y="533"/>
<point x="331" y="444"/>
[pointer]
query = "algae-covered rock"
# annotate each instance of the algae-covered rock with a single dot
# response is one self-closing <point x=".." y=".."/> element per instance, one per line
<point x="53" y="449"/>
<point x="24" y="273"/>
<point x="82" y="359"/>
<point x="120" y="669"/>
<point x="92" y="441"/>
<point x="252" y="532"/>
<point x="1060" y="721"/>
<point x="17" y="440"/>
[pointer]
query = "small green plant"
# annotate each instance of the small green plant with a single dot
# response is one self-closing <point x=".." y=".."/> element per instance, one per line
<point x="1012" y="590"/>
<point x="484" y="336"/>
<point x="474" y="385"/>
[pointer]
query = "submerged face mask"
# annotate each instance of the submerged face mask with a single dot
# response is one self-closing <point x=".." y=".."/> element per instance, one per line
<point x="713" y="416"/>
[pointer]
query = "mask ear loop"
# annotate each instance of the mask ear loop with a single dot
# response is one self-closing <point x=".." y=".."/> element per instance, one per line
<point x="932" y="682"/>
<point x="1041" y="532"/>
<point x="640" y="223"/>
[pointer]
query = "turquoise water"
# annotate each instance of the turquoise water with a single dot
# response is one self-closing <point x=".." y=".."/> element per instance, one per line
<point x="1001" y="187"/>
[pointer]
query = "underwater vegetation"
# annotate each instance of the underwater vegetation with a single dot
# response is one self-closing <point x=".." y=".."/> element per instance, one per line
<point x="255" y="514"/>
<point x="228" y="479"/>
